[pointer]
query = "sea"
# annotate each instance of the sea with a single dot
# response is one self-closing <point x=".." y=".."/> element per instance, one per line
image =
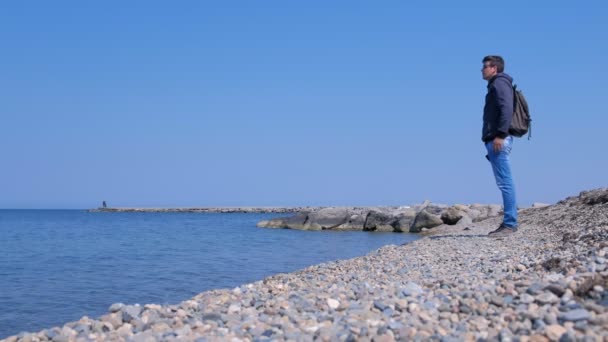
<point x="59" y="265"/>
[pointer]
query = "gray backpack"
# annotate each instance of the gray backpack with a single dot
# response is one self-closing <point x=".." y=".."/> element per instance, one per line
<point x="521" y="122"/>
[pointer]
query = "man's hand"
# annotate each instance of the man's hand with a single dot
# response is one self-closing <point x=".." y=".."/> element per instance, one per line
<point x="498" y="143"/>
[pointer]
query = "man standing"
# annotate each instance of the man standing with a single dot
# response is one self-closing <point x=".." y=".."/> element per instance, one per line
<point x="497" y="115"/>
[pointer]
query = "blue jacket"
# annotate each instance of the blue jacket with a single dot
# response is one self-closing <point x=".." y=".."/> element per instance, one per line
<point x="498" y="111"/>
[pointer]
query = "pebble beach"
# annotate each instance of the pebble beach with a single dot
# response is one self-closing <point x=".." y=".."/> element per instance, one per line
<point x="546" y="282"/>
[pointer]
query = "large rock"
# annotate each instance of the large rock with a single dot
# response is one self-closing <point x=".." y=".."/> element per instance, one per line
<point x="464" y="221"/>
<point x="494" y="210"/>
<point x="419" y="207"/>
<point x="436" y="209"/>
<point x="327" y="218"/>
<point x="425" y="219"/>
<point x="378" y="221"/>
<point x="473" y="213"/>
<point x="354" y="222"/>
<point x="297" y="221"/>
<point x="403" y="211"/>
<point x="452" y="215"/>
<point x="272" y="223"/>
<point x="480" y="212"/>
<point x="293" y="222"/>
<point x="397" y="219"/>
<point x="403" y="222"/>
<point x="404" y="217"/>
<point x="432" y="208"/>
<point x="461" y="207"/>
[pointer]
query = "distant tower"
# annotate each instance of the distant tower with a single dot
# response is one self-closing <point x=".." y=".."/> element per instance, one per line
<point x="104" y="205"/>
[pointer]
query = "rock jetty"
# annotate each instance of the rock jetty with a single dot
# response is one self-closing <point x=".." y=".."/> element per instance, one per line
<point x="546" y="282"/>
<point x="222" y="210"/>
<point x="385" y="219"/>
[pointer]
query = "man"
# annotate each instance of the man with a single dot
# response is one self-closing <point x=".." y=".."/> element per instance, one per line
<point x="497" y="114"/>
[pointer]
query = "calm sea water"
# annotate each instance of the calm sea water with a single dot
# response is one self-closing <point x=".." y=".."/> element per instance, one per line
<point x="59" y="265"/>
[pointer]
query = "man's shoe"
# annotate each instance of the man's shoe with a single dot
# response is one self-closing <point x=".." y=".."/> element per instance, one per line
<point x="502" y="231"/>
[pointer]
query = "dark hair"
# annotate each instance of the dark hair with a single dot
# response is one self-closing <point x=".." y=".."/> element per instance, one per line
<point x="496" y="61"/>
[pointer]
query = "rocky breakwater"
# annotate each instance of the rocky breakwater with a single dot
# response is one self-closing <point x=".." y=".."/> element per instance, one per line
<point x="546" y="282"/>
<point x="221" y="210"/>
<point x="386" y="219"/>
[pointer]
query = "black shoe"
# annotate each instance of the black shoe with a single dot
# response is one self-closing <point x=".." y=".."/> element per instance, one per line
<point x="502" y="231"/>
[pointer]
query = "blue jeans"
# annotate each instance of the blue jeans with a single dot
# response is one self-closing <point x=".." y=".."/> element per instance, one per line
<point x="502" y="172"/>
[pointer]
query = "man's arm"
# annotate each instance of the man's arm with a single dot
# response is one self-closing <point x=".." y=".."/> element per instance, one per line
<point x="504" y="98"/>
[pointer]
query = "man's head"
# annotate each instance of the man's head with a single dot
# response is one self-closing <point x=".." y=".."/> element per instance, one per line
<point x="492" y="65"/>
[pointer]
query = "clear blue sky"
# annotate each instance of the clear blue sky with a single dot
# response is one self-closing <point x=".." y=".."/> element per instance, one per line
<point x="230" y="103"/>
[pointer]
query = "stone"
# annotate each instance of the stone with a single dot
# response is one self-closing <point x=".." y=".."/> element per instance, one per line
<point x="575" y="315"/>
<point x="160" y="327"/>
<point x="116" y="307"/>
<point x="556" y="289"/>
<point x="234" y="308"/>
<point x="332" y="303"/>
<point x="354" y="222"/>
<point x="384" y="338"/>
<point x="539" y="324"/>
<point x="403" y="221"/>
<point x="378" y="220"/>
<point x="114" y="319"/>
<point x="401" y="305"/>
<point x="82" y="329"/>
<point x="526" y="298"/>
<point x="130" y="312"/>
<point x="293" y="222"/>
<point x="411" y="289"/>
<point x="125" y="330"/>
<point x="535" y="289"/>
<point x="380" y="305"/>
<point x="451" y="216"/>
<point x="395" y="326"/>
<point x="326" y="218"/>
<point x="547" y="298"/>
<point x="554" y="332"/>
<point x="497" y="300"/>
<point x="550" y="318"/>
<point x="424" y="219"/>
<point x="211" y="317"/>
<point x="538" y="338"/>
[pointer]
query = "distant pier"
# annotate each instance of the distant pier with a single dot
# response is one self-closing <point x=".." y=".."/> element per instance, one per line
<point x="252" y="210"/>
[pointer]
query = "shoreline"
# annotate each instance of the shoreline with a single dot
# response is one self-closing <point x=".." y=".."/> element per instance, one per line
<point x="546" y="282"/>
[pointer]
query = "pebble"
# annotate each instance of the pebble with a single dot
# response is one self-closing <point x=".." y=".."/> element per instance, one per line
<point x="554" y="332"/>
<point x="411" y="289"/>
<point x="332" y="303"/>
<point x="526" y="298"/>
<point x="575" y="315"/>
<point x="497" y="300"/>
<point x="556" y="289"/>
<point x="130" y="312"/>
<point x="116" y="307"/>
<point x="547" y="298"/>
<point x="535" y="289"/>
